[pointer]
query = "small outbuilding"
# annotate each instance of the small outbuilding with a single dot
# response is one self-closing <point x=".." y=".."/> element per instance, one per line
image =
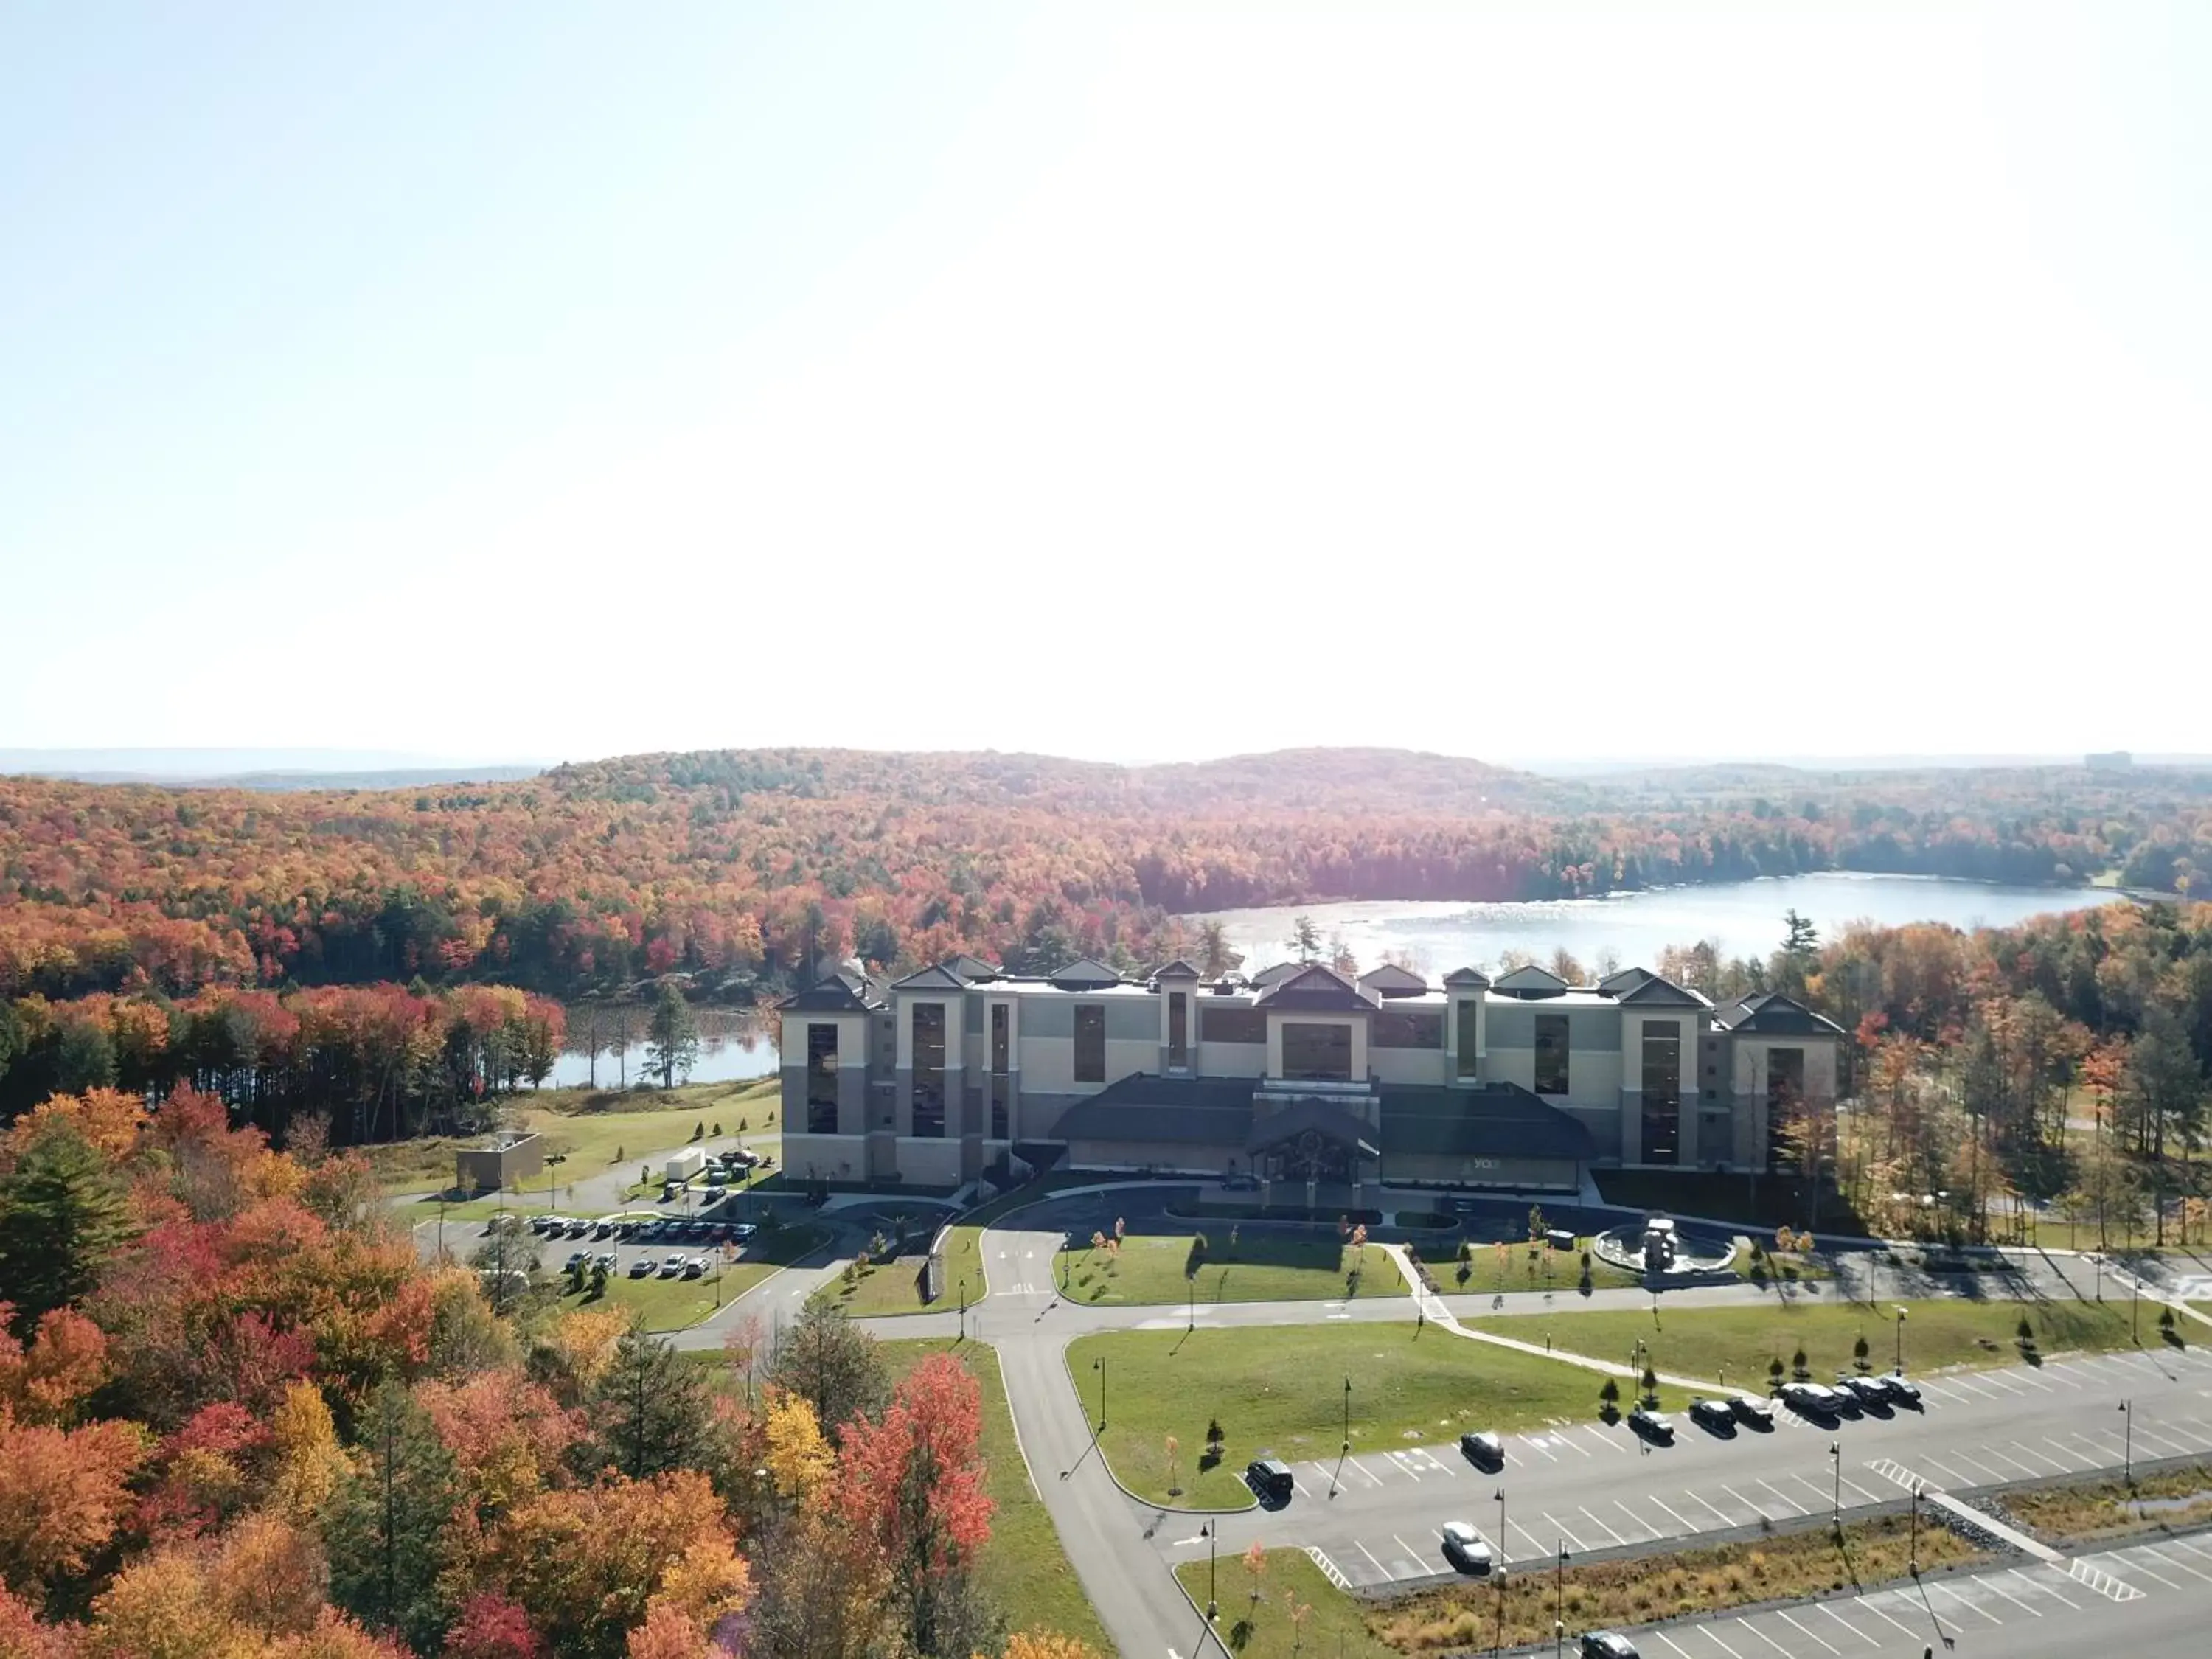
<point x="504" y="1161"/>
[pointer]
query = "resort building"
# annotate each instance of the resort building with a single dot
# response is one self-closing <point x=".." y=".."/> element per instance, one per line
<point x="1298" y="1074"/>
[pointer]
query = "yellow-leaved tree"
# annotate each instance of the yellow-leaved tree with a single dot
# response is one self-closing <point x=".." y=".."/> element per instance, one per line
<point x="799" y="1458"/>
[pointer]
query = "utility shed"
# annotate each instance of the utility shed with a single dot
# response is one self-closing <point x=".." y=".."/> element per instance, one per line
<point x="682" y="1166"/>
<point x="504" y="1161"/>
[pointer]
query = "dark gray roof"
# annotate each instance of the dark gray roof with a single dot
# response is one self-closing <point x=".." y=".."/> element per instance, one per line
<point x="1389" y="980"/>
<point x="1274" y="1128"/>
<point x="1082" y="973"/>
<point x="1653" y="992"/>
<point x="1177" y="969"/>
<point x="1466" y="976"/>
<point x="834" y="993"/>
<point x="936" y="977"/>
<point x="1625" y="980"/>
<point x="970" y="968"/>
<point x="1192" y="1111"/>
<point x="1500" y="1120"/>
<point x="1529" y="981"/>
<point x="1267" y="977"/>
<point x="1770" y="1013"/>
<point x="1317" y="988"/>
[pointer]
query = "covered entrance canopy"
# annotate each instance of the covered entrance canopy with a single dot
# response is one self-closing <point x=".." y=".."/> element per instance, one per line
<point x="1312" y="1140"/>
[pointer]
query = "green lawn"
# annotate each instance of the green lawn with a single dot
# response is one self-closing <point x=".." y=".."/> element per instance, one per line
<point x="1280" y="1389"/>
<point x="895" y="1287"/>
<point x="1023" y="1566"/>
<point x="1264" y="1267"/>
<point x="1697" y="1342"/>
<point x="1267" y="1624"/>
<point x="670" y="1305"/>
<point x="1487" y="1274"/>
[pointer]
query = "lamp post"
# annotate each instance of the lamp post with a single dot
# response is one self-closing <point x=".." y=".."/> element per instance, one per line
<point x="1560" y="1602"/>
<point x="1900" y="1341"/>
<point x="2097" y="1262"/>
<point x="2135" y="1310"/>
<point x="1099" y="1365"/>
<point x="2128" y="1437"/>
<point x="1913" y="1548"/>
<point x="1499" y="1567"/>
<point x="1836" y="1513"/>
<point x="1193" y="1306"/>
<point x="1212" y="1607"/>
<point x="1347" y="1417"/>
<point x="963" y="1307"/>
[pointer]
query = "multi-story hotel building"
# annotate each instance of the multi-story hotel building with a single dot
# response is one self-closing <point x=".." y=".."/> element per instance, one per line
<point x="1299" y="1073"/>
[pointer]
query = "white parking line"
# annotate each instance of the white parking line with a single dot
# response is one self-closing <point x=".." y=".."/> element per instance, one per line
<point x="1671" y="1514"/>
<point x="1571" y="1445"/>
<point x="1870" y="1641"/>
<point x="2006" y="1457"/>
<point x="2044" y="1457"/>
<point x="2182" y="1565"/>
<point x="1854" y="1486"/>
<point x="2067" y="1466"/>
<point x="1801" y="1630"/>
<point x="1821" y="1495"/>
<point x="1922" y="1606"/>
<point x="2037" y="1583"/>
<point x="1868" y="1603"/>
<point x="1436" y="1464"/>
<point x="1969" y="1606"/>
<point x="1538" y="1445"/>
<point x="1610" y="1444"/>
<point x="2195" y="1549"/>
<point x="1364" y="1551"/>
<point x="1399" y="1460"/>
<point x="2135" y="1565"/>
<point x="1670" y="1641"/>
<point x="1563" y="1532"/>
<point x="1412" y="1555"/>
<point x="1976" y="1463"/>
<point x="1781" y="1496"/>
<point x="1746" y="1624"/>
<point x="1947" y="1472"/>
<point x="1746" y="1502"/>
<point x="1603" y="1527"/>
<point x="2032" y="1613"/>
<point x="1632" y="1516"/>
<point x="1717" y="1516"/>
<point x="1721" y="1645"/>
<point x="2053" y="1374"/>
<point x="2182" y="1446"/>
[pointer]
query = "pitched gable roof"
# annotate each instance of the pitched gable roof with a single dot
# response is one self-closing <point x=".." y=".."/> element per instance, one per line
<point x="1316" y="987"/>
<point x="936" y="977"/>
<point x="1529" y="981"/>
<point x="1466" y="976"/>
<point x="1391" y="981"/>
<point x="833" y="993"/>
<point x="970" y="968"/>
<point x="1769" y="1013"/>
<point x="1084" y="974"/>
<point x="1177" y="969"/>
<point x="1281" y="971"/>
<point x="1652" y="992"/>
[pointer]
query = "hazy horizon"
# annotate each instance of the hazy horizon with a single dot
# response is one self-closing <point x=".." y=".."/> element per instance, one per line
<point x="1576" y="382"/>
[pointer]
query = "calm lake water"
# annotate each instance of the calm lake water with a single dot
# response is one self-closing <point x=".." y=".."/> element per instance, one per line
<point x="1745" y="918"/>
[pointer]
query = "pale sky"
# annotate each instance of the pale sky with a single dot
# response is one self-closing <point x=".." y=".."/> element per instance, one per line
<point x="1534" y="380"/>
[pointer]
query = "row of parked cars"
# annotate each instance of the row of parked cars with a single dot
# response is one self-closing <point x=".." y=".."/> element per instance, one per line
<point x="645" y="1230"/>
<point x="1851" y="1396"/>
<point x="677" y="1266"/>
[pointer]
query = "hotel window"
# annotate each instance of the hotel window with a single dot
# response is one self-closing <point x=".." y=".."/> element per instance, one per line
<point x="929" y="1070"/>
<point x="1002" y="1082"/>
<point x="822" y="1079"/>
<point x="1178" y="1028"/>
<point x="1090" y="1043"/>
<point x="1663" y="1092"/>
<point x="1406" y="1028"/>
<point x="1238" y="1024"/>
<point x="1316" y="1053"/>
<point x="1551" y="1053"/>
<point x="1470" y="1035"/>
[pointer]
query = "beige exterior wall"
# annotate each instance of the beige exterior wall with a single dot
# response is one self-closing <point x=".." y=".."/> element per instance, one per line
<point x="825" y="1158"/>
<point x="1428" y="1066"/>
<point x="1451" y="1031"/>
<point x="1631" y="1048"/>
<point x="1232" y="1059"/>
<point x="1593" y="1077"/>
<point x="1750" y="1065"/>
<point x="1358" y="1025"/>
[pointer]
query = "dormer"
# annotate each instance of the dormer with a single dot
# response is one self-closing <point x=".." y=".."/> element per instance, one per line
<point x="1391" y="981"/>
<point x="1177" y="984"/>
<point x="1084" y="975"/>
<point x="1467" y="1025"/>
<point x="1529" y="982"/>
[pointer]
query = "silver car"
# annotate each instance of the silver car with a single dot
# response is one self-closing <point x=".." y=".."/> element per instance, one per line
<point x="1464" y="1548"/>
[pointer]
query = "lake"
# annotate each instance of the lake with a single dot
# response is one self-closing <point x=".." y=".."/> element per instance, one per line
<point x="1743" y="917"/>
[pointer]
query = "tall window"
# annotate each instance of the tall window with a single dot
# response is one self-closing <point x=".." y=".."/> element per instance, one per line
<point x="1316" y="1052"/>
<point x="1551" y="1053"/>
<point x="1178" y="1028"/>
<point x="1002" y="1082"/>
<point x="929" y="1070"/>
<point x="1407" y="1028"/>
<point x="1470" y="1037"/>
<point x="1238" y="1022"/>
<point x="1090" y="1043"/>
<point x="1663" y="1092"/>
<point x="822" y="1079"/>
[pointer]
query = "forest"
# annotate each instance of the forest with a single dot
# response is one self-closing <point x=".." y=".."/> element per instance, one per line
<point x="240" y="1420"/>
<point x="745" y="870"/>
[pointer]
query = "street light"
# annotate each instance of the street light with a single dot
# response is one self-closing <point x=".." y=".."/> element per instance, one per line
<point x="1558" y="1602"/>
<point x="1836" y="1457"/>
<point x="1099" y="1365"/>
<point x="1900" y="1341"/>
<point x="1499" y="1567"/>
<point x="2135" y="1310"/>
<point x="1212" y="1607"/>
<point x="1913" y="1549"/>
<point x="963" y="1307"/>
<point x="2127" y="1412"/>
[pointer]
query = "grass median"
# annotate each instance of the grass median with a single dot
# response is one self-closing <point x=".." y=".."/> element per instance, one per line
<point x="1642" y="1589"/>
<point x="1746" y="1341"/>
<point x="1264" y="1266"/>
<point x="1280" y="1389"/>
<point x="2161" y="1500"/>
<point x="671" y="1305"/>
<point x="886" y="1288"/>
<point x="1024" y="1567"/>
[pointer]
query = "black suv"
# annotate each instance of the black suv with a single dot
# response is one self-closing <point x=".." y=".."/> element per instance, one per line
<point x="1270" y="1479"/>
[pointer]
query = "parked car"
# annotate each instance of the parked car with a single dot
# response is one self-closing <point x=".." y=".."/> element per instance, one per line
<point x="1608" y="1644"/>
<point x="1652" y="1425"/>
<point x="1904" y="1390"/>
<point x="1712" y="1414"/>
<point x="604" y="1229"/>
<point x="576" y="1258"/>
<point x="1869" y="1390"/>
<point x="1752" y="1409"/>
<point x="717" y="1175"/>
<point x="539" y="1223"/>
<point x="742" y="1230"/>
<point x="670" y="1191"/>
<point x="1271" y="1479"/>
<point x="625" y="1228"/>
<point x="1464" y="1548"/>
<point x="605" y="1259"/>
<point x="672" y="1266"/>
<point x="1485" y="1450"/>
<point x="1812" y="1399"/>
<point x="695" y="1267"/>
<point x="643" y="1267"/>
<point x="579" y="1230"/>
